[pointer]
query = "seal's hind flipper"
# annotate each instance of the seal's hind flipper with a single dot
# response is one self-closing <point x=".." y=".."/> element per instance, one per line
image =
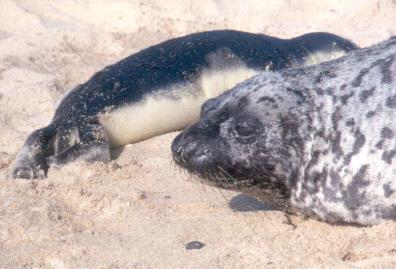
<point x="30" y="162"/>
<point x="92" y="145"/>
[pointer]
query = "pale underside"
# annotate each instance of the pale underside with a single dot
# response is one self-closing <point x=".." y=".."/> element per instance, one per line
<point x="175" y="107"/>
<point x="169" y="109"/>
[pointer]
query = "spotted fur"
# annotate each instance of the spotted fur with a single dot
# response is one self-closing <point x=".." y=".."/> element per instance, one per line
<point x="323" y="135"/>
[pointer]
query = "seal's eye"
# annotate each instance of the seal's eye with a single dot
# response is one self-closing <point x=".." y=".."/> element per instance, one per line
<point x="248" y="128"/>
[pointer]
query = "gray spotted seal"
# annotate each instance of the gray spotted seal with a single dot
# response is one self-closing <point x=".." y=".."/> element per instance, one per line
<point x="318" y="141"/>
<point x="160" y="89"/>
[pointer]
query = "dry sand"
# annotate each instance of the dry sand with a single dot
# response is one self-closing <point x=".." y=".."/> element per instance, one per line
<point x="139" y="211"/>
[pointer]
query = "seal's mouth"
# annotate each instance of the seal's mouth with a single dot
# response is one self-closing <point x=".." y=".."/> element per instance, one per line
<point x="198" y="160"/>
<point x="205" y="158"/>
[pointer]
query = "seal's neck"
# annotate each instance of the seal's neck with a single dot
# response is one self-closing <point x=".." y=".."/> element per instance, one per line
<point x="299" y="129"/>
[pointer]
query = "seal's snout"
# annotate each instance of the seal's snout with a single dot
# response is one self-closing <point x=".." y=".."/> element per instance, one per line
<point x="177" y="149"/>
<point x="193" y="152"/>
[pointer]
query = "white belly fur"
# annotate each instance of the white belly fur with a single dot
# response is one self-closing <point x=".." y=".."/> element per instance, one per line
<point x="169" y="109"/>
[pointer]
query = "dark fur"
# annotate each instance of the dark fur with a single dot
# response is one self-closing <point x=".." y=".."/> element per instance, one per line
<point x="75" y="130"/>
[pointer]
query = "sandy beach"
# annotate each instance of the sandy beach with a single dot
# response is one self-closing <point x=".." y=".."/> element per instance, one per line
<point x="139" y="211"/>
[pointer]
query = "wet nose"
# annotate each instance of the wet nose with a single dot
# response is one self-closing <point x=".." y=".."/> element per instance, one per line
<point x="194" y="156"/>
<point x="193" y="150"/>
<point x="180" y="142"/>
<point x="185" y="147"/>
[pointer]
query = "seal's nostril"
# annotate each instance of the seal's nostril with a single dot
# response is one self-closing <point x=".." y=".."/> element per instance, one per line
<point x="181" y="155"/>
<point x="179" y="150"/>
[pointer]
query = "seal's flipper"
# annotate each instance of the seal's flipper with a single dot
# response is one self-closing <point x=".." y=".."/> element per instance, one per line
<point x="93" y="145"/>
<point x="67" y="135"/>
<point x="30" y="162"/>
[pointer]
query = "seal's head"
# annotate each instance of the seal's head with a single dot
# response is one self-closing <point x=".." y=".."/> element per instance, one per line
<point x="250" y="136"/>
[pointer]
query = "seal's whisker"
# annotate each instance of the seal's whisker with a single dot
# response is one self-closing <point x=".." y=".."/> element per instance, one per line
<point x="227" y="175"/>
<point x="226" y="185"/>
<point x="221" y="180"/>
<point x="222" y="193"/>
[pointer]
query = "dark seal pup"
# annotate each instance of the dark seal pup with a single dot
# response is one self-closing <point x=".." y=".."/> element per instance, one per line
<point x="317" y="140"/>
<point x="160" y="89"/>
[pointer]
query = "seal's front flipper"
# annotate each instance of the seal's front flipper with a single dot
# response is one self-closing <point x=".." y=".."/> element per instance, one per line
<point x="92" y="146"/>
<point x="30" y="162"/>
